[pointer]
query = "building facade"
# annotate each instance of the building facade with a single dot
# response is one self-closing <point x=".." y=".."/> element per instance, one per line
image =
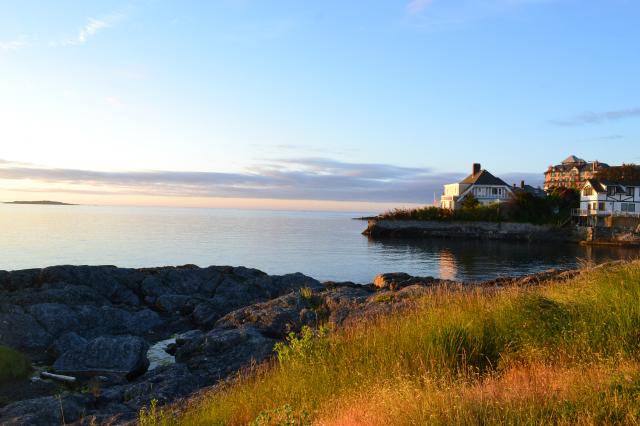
<point x="485" y="187"/>
<point x="600" y="199"/>
<point x="572" y="173"/>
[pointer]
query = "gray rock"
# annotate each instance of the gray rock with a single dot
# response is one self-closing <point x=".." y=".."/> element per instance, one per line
<point x="23" y="332"/>
<point x="46" y="411"/>
<point x="117" y="355"/>
<point x="107" y="320"/>
<point x="220" y="352"/>
<point x="175" y="303"/>
<point x="55" y="317"/>
<point x="66" y="342"/>
<point x="22" y="279"/>
<point x="163" y="384"/>
<point x="275" y="318"/>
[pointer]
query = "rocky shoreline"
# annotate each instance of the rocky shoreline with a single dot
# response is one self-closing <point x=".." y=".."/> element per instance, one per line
<point x="97" y="323"/>
<point x="505" y="231"/>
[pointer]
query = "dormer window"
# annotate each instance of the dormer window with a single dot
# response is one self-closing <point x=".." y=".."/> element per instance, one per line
<point x="611" y="190"/>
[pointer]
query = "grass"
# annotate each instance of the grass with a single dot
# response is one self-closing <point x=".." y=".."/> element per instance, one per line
<point x="562" y="353"/>
<point x="13" y="365"/>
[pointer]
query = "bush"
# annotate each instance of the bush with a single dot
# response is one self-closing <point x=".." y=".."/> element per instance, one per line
<point x="13" y="365"/>
<point x="554" y="209"/>
<point x="490" y="213"/>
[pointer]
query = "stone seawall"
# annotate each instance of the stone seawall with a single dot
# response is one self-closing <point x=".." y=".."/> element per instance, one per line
<point x="509" y="231"/>
<point x="606" y="236"/>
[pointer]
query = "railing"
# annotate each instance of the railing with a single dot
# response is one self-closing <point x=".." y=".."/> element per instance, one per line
<point x="603" y="213"/>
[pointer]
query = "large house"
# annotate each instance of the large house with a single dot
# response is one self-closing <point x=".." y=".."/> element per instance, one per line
<point x="484" y="186"/>
<point x="572" y="173"/>
<point x="601" y="198"/>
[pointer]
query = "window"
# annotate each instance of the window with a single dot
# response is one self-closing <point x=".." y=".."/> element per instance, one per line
<point x="630" y="191"/>
<point x="628" y="207"/>
<point x="495" y="191"/>
<point x="601" y="206"/>
<point x="587" y="191"/>
<point x="611" y="190"/>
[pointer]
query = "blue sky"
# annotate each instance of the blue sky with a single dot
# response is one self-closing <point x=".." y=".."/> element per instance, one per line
<point x="196" y="103"/>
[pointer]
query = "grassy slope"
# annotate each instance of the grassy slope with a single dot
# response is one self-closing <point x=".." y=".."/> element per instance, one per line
<point x="561" y="353"/>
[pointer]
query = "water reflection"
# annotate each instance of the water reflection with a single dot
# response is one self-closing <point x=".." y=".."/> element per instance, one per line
<point x="471" y="260"/>
<point x="324" y="245"/>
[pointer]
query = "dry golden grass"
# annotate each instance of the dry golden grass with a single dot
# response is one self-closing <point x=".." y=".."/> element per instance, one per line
<point x="518" y="389"/>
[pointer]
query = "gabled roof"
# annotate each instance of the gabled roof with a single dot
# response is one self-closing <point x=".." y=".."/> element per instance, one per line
<point x="600" y="185"/>
<point x="483" y="178"/>
<point x="530" y="189"/>
<point x="572" y="159"/>
<point x="596" y="185"/>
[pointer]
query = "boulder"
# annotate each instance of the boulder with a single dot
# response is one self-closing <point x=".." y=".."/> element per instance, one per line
<point x="66" y="342"/>
<point x="173" y="303"/>
<point x="275" y="318"/>
<point x="21" y="331"/>
<point x="56" y="318"/>
<point x="108" y="320"/>
<point x="397" y="280"/>
<point x="105" y="355"/>
<point x="220" y="352"/>
<point x="46" y="411"/>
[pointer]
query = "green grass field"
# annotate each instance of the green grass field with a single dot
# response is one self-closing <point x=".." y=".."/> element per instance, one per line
<point x="562" y="353"/>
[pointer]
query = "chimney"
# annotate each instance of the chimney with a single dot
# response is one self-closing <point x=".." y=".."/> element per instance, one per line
<point x="476" y="168"/>
<point x="522" y="184"/>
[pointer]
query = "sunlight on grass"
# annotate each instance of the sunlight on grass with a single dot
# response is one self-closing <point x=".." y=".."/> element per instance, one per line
<point x="564" y="352"/>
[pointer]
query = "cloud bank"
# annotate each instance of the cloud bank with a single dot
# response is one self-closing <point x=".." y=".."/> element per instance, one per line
<point x="303" y="178"/>
<point x="597" y="117"/>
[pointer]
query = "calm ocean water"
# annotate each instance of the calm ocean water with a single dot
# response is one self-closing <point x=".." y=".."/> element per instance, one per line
<point x="324" y="245"/>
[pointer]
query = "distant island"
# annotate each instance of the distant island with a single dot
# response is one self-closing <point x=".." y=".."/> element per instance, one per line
<point x="43" y="202"/>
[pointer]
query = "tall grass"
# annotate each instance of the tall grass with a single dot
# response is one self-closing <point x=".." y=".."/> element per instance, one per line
<point x="447" y="362"/>
<point x="13" y="364"/>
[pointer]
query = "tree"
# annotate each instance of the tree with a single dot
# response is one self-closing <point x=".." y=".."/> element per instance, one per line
<point x="470" y="202"/>
<point x="627" y="173"/>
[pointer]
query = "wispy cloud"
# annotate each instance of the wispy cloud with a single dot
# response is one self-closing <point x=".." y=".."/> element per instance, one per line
<point x="418" y="6"/>
<point x="435" y="15"/>
<point x="597" y="117"/>
<point x="91" y="28"/>
<point x="12" y="45"/>
<point x="303" y="178"/>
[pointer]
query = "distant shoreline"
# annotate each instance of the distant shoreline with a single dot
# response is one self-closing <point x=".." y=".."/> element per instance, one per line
<point x="44" y="203"/>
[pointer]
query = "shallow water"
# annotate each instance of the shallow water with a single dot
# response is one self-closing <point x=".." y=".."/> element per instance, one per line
<point x="325" y="245"/>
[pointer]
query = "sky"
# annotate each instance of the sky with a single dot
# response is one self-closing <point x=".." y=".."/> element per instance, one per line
<point x="345" y="105"/>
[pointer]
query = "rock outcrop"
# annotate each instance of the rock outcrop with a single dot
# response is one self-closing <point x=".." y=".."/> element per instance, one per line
<point x="96" y="323"/>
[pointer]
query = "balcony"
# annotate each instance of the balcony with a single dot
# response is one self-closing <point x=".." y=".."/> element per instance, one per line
<point x="602" y="213"/>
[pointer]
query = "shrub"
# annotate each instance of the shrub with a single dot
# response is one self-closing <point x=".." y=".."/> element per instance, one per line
<point x="310" y="343"/>
<point x="13" y="364"/>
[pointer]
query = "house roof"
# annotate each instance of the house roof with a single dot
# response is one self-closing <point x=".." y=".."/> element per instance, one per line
<point x="600" y="185"/>
<point x="572" y="159"/>
<point x="483" y="178"/>
<point x="565" y="167"/>
<point x="530" y="189"/>
<point x="596" y="185"/>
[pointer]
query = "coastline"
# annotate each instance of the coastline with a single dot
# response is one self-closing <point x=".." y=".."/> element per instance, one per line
<point x="506" y="231"/>
<point x="222" y="318"/>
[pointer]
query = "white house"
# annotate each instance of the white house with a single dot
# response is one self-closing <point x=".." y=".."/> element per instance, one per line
<point x="601" y="198"/>
<point x="484" y="186"/>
